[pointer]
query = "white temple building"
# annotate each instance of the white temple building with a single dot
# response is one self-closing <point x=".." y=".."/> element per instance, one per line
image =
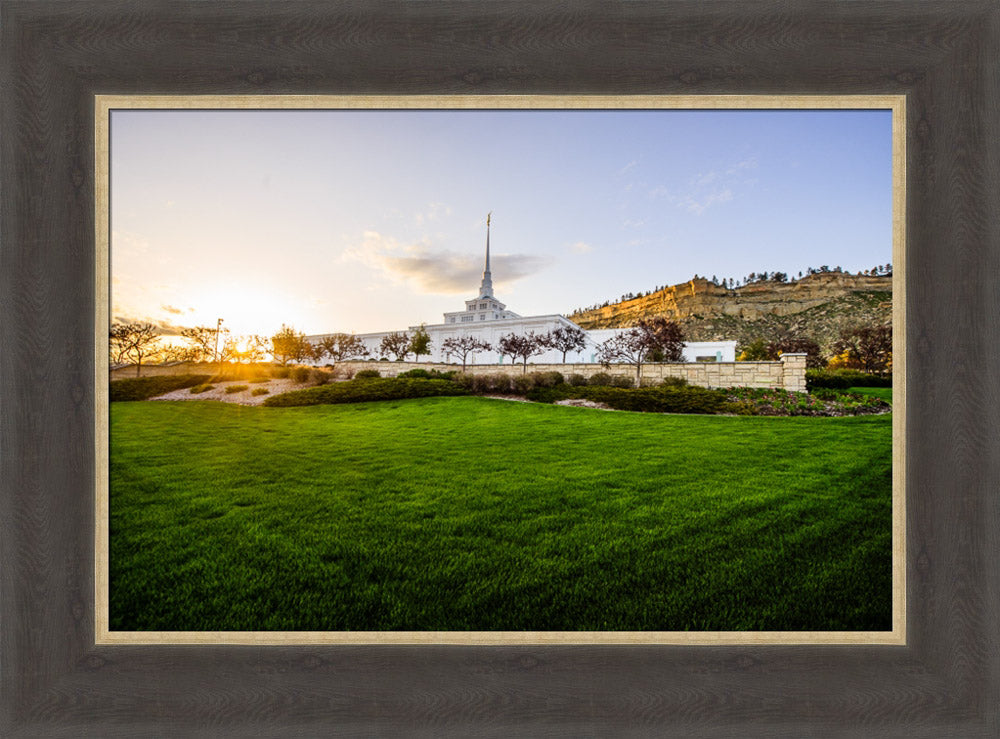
<point x="487" y="319"/>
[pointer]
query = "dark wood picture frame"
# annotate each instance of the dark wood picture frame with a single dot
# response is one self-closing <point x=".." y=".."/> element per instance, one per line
<point x="56" y="56"/>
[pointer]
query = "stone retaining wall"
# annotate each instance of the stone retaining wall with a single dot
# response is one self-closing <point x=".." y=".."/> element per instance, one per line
<point x="789" y="373"/>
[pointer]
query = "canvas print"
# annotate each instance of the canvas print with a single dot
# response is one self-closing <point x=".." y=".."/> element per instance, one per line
<point x="500" y="371"/>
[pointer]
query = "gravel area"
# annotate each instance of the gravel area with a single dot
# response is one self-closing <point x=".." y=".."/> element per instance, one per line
<point x="278" y="386"/>
<point x="584" y="403"/>
<point x="244" y="397"/>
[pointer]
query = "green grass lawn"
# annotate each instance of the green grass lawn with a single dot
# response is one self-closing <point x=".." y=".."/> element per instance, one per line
<point x="476" y="514"/>
<point x="885" y="393"/>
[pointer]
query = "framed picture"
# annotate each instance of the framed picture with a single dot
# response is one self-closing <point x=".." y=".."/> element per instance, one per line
<point x="62" y="676"/>
<point x="577" y="546"/>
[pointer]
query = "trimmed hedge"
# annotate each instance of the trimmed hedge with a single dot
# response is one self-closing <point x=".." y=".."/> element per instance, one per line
<point x="367" y="374"/>
<point x="422" y="374"/>
<point x="367" y="390"/>
<point x="646" y="399"/>
<point x="143" y="388"/>
<point x="844" y="378"/>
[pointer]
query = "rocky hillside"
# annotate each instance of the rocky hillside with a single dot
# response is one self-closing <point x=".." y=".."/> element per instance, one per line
<point x="817" y="306"/>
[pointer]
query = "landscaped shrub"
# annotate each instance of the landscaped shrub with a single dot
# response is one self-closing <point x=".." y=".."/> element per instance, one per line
<point x="464" y="380"/>
<point x="321" y="377"/>
<point x="197" y="389"/>
<point x="674" y="382"/>
<point x="141" y="388"/>
<point x="300" y="374"/>
<point x="600" y="379"/>
<point x="651" y="399"/>
<point x="577" y="380"/>
<point x="422" y="374"/>
<point x="281" y="373"/>
<point x="260" y="379"/>
<point x="740" y="408"/>
<point x="367" y="374"/>
<point x="496" y="382"/>
<point x="236" y="389"/>
<point x="379" y="388"/>
<point x="844" y="378"/>
<point x="662" y="400"/>
<point x="521" y="384"/>
<point x="621" y="381"/>
<point x="260" y="391"/>
<point x="546" y="379"/>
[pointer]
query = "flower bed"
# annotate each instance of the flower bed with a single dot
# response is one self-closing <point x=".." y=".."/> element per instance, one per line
<point x="821" y="402"/>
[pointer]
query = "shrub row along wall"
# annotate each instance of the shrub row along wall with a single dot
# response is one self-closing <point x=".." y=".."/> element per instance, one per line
<point x="789" y="373"/>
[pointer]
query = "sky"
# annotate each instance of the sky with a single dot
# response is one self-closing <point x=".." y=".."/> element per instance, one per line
<point x="362" y="220"/>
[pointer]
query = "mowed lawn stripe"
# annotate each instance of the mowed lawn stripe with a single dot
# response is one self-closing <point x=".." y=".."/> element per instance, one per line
<point x="476" y="514"/>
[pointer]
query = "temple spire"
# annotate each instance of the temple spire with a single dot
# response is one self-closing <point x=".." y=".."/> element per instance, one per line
<point x="486" y="289"/>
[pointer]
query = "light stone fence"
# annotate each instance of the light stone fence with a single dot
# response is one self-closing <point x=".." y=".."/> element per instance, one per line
<point x="788" y="373"/>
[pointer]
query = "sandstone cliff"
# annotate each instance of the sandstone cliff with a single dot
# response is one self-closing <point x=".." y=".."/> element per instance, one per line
<point x="818" y="306"/>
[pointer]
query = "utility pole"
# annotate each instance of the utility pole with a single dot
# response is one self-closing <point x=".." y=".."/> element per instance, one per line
<point x="218" y="327"/>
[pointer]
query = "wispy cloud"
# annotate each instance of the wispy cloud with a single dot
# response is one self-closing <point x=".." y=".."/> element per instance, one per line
<point x="433" y="212"/>
<point x="710" y="188"/>
<point x="435" y="271"/>
<point x="172" y="309"/>
<point x="748" y="163"/>
<point x="164" y="326"/>
<point x="628" y="167"/>
<point x="701" y="202"/>
<point x="581" y="247"/>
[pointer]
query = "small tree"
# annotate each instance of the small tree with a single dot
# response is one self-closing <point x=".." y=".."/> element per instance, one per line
<point x="397" y="344"/>
<point x="755" y="351"/>
<point x="521" y="346"/>
<point x="420" y="343"/>
<point x="202" y="340"/>
<point x="133" y="342"/>
<point x="341" y="347"/>
<point x="565" y="339"/>
<point x="870" y="347"/>
<point x="665" y="338"/>
<point x="656" y="336"/>
<point x="229" y="349"/>
<point x="118" y="344"/>
<point x="254" y="348"/>
<point x="463" y="346"/>
<point x="176" y="353"/>
<point x="289" y="345"/>
<point x="797" y="344"/>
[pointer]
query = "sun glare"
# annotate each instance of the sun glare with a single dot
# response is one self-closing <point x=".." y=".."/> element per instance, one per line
<point x="246" y="310"/>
